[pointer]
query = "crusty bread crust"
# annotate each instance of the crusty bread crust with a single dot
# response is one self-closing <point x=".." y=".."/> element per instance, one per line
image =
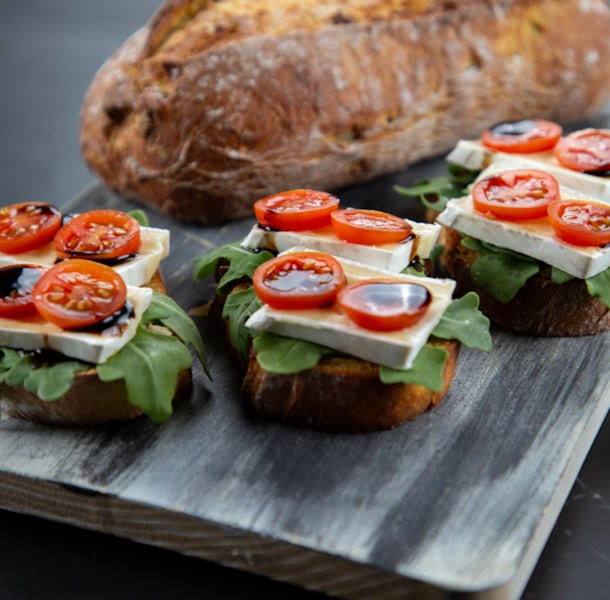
<point x="212" y="105"/>
<point x="342" y="394"/>
<point x="89" y="401"/>
<point x="540" y="308"/>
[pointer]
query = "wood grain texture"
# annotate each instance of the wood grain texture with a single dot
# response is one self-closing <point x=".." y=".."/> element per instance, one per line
<point x="462" y="499"/>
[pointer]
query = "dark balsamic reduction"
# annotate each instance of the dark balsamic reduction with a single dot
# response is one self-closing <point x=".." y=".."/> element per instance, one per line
<point x="109" y="262"/>
<point x="18" y="279"/>
<point x="513" y="127"/>
<point x="114" y="324"/>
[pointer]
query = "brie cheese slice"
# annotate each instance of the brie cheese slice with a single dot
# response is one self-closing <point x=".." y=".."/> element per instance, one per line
<point x="135" y="271"/>
<point x="35" y="333"/>
<point x="534" y="238"/>
<point x="393" y="257"/>
<point x="331" y="327"/>
<point x="474" y="156"/>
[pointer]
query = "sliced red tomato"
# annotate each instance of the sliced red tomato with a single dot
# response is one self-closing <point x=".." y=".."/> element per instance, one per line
<point x="522" y="137"/>
<point x="581" y="222"/>
<point x="296" y="210"/>
<point x="27" y="226"/>
<point x="299" y="280"/>
<point x="98" y="235"/>
<point x="384" y="304"/>
<point x="16" y="283"/>
<point x="515" y="194"/>
<point x="369" y="227"/>
<point x="79" y="293"/>
<point x="586" y="150"/>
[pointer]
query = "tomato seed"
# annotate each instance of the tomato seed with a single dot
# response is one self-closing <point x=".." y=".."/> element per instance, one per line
<point x="84" y="304"/>
<point x="56" y="297"/>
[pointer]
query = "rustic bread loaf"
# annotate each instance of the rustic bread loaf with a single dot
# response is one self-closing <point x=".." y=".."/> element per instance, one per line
<point x="342" y="394"/>
<point x="539" y="308"/>
<point x="89" y="401"/>
<point x="212" y="105"/>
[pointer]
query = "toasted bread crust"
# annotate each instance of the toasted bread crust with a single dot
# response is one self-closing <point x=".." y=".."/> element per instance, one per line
<point x="342" y="394"/>
<point x="540" y="308"/>
<point x="89" y="401"/>
<point x="213" y="105"/>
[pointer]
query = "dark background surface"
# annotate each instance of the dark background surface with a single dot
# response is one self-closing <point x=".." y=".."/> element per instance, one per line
<point x="49" y="52"/>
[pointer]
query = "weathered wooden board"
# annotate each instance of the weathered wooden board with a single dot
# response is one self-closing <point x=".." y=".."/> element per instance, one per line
<point x="462" y="499"/>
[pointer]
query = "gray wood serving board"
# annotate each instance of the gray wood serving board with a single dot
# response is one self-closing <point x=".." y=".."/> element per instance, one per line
<point x="459" y="501"/>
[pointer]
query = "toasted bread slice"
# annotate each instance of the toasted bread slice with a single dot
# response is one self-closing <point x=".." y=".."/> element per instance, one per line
<point x="540" y="308"/>
<point x="342" y="394"/>
<point x="89" y="401"/>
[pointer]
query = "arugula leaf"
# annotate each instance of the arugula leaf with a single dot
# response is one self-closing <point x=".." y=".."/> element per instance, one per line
<point x="140" y="216"/>
<point x="242" y="263"/>
<point x="284" y="355"/>
<point x="150" y="365"/>
<point x="464" y="321"/>
<point x="434" y="193"/>
<point x="558" y="277"/>
<point x="238" y="308"/>
<point x="428" y="370"/>
<point x="501" y="272"/>
<point x="599" y="286"/>
<point x="48" y="381"/>
<point x="167" y="311"/>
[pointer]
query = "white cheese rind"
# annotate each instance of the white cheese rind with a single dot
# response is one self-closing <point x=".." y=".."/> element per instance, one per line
<point x="37" y="334"/>
<point x="474" y="156"/>
<point x="136" y="271"/>
<point x="331" y="327"/>
<point x="392" y="257"/>
<point x="534" y="238"/>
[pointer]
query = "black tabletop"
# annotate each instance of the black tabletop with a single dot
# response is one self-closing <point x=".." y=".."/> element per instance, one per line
<point x="49" y="52"/>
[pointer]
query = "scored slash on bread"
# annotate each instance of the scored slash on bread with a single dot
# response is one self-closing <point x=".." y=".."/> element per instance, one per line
<point x="212" y="105"/>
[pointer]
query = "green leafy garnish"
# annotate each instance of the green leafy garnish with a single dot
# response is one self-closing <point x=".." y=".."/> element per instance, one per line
<point x="464" y="321"/>
<point x="278" y="354"/>
<point x="149" y="365"/>
<point x="238" y="308"/>
<point x="559" y="277"/>
<point x="599" y="286"/>
<point x="165" y="310"/>
<point x="140" y="216"/>
<point x="242" y="263"/>
<point x="436" y="191"/>
<point x="427" y="370"/>
<point x="501" y="272"/>
<point x="48" y="381"/>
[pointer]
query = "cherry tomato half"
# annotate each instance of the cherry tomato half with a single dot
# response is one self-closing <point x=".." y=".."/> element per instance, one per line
<point x="523" y="137"/>
<point x="27" y="226"/>
<point x="299" y="280"/>
<point x="515" y="194"/>
<point x="384" y="304"/>
<point x="296" y="210"/>
<point x="369" y="227"/>
<point x="79" y="293"/>
<point x="98" y="235"/>
<point x="16" y="283"/>
<point x="581" y="222"/>
<point x="585" y="150"/>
